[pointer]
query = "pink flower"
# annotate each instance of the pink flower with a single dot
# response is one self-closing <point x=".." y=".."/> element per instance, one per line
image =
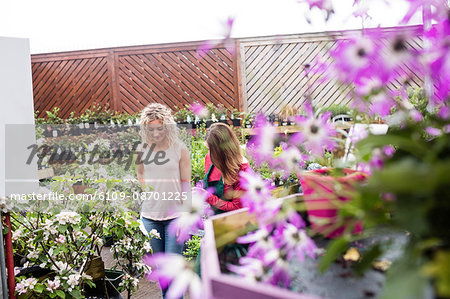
<point x="61" y="239"/>
<point x="199" y="110"/>
<point x="353" y="58"/>
<point x="388" y="150"/>
<point x="439" y="9"/>
<point x="291" y="160"/>
<point x="381" y="104"/>
<point x="191" y="221"/>
<point x="437" y="60"/>
<point x="324" y="5"/>
<point x="175" y="273"/>
<point x="258" y="197"/>
<point x="433" y="131"/>
<point x="317" y="132"/>
<point x="296" y="242"/>
<point x="226" y="40"/>
<point x="261" y="146"/>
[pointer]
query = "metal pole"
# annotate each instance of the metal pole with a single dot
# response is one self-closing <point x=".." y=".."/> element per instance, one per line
<point x="10" y="258"/>
<point x="4" y="287"/>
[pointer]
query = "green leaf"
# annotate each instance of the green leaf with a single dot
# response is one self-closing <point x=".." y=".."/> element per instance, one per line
<point x="39" y="287"/>
<point x="367" y="259"/>
<point x="76" y="294"/>
<point x="335" y="248"/>
<point x="60" y="293"/>
<point x="62" y="228"/>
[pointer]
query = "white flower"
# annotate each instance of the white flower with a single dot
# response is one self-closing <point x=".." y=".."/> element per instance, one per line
<point x="154" y="234"/>
<point x="147" y="247"/>
<point x="86" y="276"/>
<point x="68" y="217"/>
<point x="5" y="205"/>
<point x="50" y="227"/>
<point x="61" y="265"/>
<point x="73" y="281"/>
<point x="33" y="254"/>
<point x="25" y="285"/>
<point x="17" y="234"/>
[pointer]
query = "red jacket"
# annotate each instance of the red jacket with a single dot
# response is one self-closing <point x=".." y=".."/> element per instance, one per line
<point x="232" y="203"/>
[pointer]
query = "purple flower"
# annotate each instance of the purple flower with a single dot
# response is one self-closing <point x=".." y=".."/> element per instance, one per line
<point x="175" y="273"/>
<point x="226" y="40"/>
<point x="353" y="58"/>
<point x="324" y="5"/>
<point x="298" y="242"/>
<point x="191" y="221"/>
<point x="317" y="132"/>
<point x="433" y="131"/>
<point x="439" y="10"/>
<point x="377" y="161"/>
<point x="249" y="268"/>
<point x="381" y="104"/>
<point x="437" y="60"/>
<point x="258" y="197"/>
<point x="199" y="110"/>
<point x="388" y="150"/>
<point x="261" y="145"/>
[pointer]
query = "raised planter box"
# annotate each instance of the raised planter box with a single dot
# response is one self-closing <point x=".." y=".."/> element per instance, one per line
<point x="224" y="228"/>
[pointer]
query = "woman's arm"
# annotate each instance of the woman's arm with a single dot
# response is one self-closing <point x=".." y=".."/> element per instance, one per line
<point x="185" y="170"/>
<point x="225" y="205"/>
<point x="140" y="168"/>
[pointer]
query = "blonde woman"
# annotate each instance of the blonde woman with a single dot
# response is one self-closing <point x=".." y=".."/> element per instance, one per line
<point x="164" y="164"/>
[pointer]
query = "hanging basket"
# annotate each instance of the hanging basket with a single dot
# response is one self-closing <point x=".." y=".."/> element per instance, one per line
<point x="323" y="193"/>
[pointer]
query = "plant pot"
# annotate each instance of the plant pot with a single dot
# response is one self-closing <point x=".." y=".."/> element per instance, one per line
<point x="114" y="276"/>
<point x="209" y="123"/>
<point x="320" y="193"/>
<point x="342" y="117"/>
<point x="236" y="122"/>
<point x="99" y="290"/>
<point x="79" y="188"/>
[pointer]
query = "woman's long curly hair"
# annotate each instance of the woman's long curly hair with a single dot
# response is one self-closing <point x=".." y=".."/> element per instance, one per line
<point x="159" y="111"/>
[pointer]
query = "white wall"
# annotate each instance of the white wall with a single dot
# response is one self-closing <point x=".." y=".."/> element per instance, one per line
<point x="16" y="108"/>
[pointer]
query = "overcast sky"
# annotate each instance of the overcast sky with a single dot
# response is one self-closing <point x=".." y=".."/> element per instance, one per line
<point x="62" y="25"/>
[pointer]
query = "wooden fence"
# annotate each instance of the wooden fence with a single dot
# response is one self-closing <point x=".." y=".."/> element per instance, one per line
<point x="264" y="74"/>
<point x="129" y="78"/>
<point x="273" y="71"/>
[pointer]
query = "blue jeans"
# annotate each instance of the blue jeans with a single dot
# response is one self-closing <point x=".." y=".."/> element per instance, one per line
<point x="168" y="243"/>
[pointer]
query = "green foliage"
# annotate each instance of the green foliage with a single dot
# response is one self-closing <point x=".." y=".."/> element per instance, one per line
<point x="192" y="247"/>
<point x="52" y="116"/>
<point x="181" y="114"/>
<point x="198" y="151"/>
<point x="337" y="109"/>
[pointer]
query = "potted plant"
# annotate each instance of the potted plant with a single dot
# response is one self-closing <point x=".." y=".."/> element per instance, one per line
<point x="286" y="114"/>
<point x="55" y="122"/>
<point x="236" y="117"/>
<point x="248" y="120"/>
<point x="340" y="112"/>
<point x="131" y="243"/>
